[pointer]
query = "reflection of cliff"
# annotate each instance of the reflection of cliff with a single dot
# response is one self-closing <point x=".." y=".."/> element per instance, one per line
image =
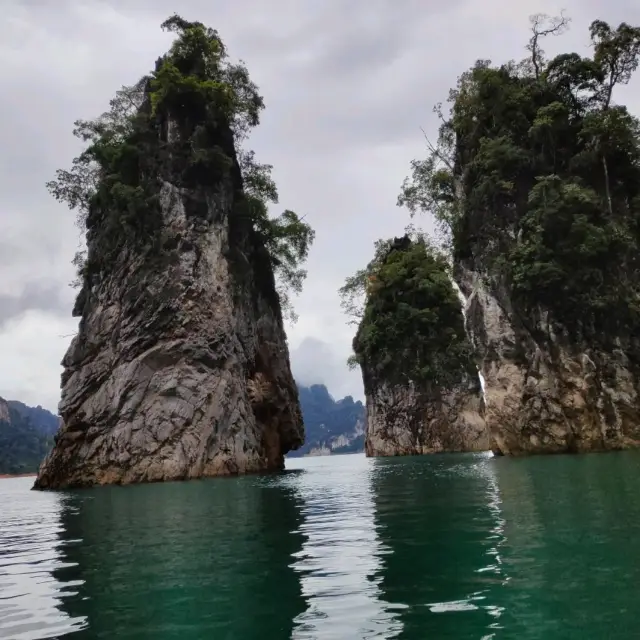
<point x="203" y="559"/>
<point x="570" y="546"/>
<point x="340" y="561"/>
<point x="441" y="523"/>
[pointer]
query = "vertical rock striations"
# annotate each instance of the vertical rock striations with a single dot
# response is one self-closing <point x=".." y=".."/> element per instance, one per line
<point x="5" y="416"/>
<point x="180" y="368"/>
<point x="415" y="420"/>
<point x="547" y="389"/>
<point x="422" y="390"/>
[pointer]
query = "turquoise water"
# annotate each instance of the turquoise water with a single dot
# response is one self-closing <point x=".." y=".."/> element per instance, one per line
<point x="344" y="547"/>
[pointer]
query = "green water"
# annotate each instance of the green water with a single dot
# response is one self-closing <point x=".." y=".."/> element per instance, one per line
<point x="452" y="546"/>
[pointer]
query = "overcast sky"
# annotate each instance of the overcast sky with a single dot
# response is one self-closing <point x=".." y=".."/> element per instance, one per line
<point x="347" y="86"/>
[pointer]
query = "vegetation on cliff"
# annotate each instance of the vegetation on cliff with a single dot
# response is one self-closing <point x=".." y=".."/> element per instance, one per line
<point x="183" y="123"/>
<point x="535" y="179"/>
<point x="411" y="327"/>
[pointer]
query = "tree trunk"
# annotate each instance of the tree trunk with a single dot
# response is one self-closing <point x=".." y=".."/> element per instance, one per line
<point x="606" y="184"/>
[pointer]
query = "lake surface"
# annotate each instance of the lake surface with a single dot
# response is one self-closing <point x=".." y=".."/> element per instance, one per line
<point x="344" y="547"/>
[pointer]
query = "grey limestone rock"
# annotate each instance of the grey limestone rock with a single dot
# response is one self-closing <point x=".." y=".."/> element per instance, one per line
<point x="547" y="391"/>
<point x="410" y="418"/>
<point x="404" y="420"/>
<point x="179" y="370"/>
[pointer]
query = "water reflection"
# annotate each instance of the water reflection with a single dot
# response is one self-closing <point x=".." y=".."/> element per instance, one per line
<point x="451" y="546"/>
<point x="340" y="563"/>
<point x="572" y="543"/>
<point x="32" y="546"/>
<point x="497" y="539"/>
<point x="442" y="521"/>
<point x="185" y="560"/>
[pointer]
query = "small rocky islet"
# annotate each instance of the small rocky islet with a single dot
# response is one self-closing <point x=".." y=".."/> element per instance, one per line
<point x="180" y="368"/>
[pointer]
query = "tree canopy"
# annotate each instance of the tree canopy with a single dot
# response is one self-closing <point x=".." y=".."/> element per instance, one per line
<point x="353" y="293"/>
<point x="535" y="177"/>
<point x="114" y="184"/>
<point x="411" y="326"/>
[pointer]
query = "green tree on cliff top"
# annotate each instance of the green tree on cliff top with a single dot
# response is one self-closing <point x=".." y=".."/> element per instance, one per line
<point x="536" y="178"/>
<point x="411" y="327"/>
<point x="114" y="183"/>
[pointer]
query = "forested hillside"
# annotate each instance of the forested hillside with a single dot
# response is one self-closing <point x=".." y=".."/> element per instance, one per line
<point x="26" y="434"/>
<point x="330" y="426"/>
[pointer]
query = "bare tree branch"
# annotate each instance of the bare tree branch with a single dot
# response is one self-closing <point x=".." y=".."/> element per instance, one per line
<point x="542" y="25"/>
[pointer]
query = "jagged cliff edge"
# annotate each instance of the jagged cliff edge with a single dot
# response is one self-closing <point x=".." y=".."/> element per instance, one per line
<point x="545" y="391"/>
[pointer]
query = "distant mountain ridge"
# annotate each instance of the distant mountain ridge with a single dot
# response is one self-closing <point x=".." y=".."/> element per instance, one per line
<point x="26" y="435"/>
<point x="42" y="419"/>
<point x="331" y="426"/>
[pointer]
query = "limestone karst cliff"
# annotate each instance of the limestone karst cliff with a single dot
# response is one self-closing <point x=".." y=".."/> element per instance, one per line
<point x="422" y="390"/>
<point x="536" y="178"/>
<point x="180" y="368"/>
<point x="547" y="390"/>
<point x="405" y="420"/>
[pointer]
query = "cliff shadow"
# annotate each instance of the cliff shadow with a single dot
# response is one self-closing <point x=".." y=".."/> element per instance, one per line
<point x="184" y="560"/>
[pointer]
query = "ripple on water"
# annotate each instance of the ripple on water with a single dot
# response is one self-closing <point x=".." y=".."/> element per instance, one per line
<point x="344" y="547"/>
<point x="30" y="554"/>
<point x="340" y="561"/>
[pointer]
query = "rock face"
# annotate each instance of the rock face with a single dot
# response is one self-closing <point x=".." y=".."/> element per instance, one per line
<point x="4" y="411"/>
<point x="423" y="394"/>
<point x="406" y="421"/>
<point x="547" y="392"/>
<point x="180" y="371"/>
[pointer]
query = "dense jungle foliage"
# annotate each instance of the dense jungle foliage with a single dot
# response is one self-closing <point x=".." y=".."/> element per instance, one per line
<point x="411" y="327"/>
<point x="184" y="123"/>
<point x="535" y="179"/>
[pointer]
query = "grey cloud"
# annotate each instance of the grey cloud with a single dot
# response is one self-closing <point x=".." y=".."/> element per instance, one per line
<point x="316" y="362"/>
<point x="311" y="361"/>
<point x="35" y="296"/>
<point x="329" y="71"/>
<point x="347" y="85"/>
<point x="9" y="253"/>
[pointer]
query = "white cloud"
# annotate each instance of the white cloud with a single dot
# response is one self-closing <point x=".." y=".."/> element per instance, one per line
<point x="31" y="348"/>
